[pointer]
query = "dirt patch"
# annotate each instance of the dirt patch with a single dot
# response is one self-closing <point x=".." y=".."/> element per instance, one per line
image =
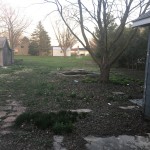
<point x="53" y="92"/>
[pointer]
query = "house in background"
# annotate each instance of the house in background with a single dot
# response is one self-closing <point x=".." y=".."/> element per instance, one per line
<point x="79" y="52"/>
<point x="6" y="54"/>
<point x="23" y="47"/>
<point x="57" y="51"/>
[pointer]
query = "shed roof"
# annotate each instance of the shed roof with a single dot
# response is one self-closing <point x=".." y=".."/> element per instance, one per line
<point x="2" y="41"/>
<point x="143" y="20"/>
<point x="144" y="16"/>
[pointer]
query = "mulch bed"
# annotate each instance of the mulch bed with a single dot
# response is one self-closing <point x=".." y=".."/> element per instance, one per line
<point x="106" y="118"/>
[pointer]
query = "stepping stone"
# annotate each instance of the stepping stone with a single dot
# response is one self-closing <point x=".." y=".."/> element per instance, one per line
<point x="138" y="102"/>
<point x="81" y="110"/>
<point x="122" y="142"/>
<point x="4" y="132"/>
<point x="14" y="103"/>
<point x="9" y="119"/>
<point x="6" y="125"/>
<point x="128" y="107"/>
<point x="19" y="109"/>
<point x="8" y="101"/>
<point x="17" y="113"/>
<point x="2" y="114"/>
<point x="57" y="144"/>
<point x="118" y="93"/>
<point x="5" y="108"/>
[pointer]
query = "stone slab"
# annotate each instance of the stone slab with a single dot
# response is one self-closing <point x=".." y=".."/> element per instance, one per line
<point x="4" y="132"/>
<point x="5" y="108"/>
<point x="6" y="125"/>
<point x="58" y="143"/>
<point x="118" y="93"/>
<point x="128" y="107"/>
<point x="138" y="102"/>
<point x="17" y="113"/>
<point x="9" y="119"/>
<point x="8" y="101"/>
<point x="14" y="103"/>
<point x="82" y="110"/>
<point x="19" y="108"/>
<point x="122" y="142"/>
<point x="3" y="114"/>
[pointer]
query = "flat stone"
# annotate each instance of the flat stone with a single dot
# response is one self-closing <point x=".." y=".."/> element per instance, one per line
<point x="2" y="114"/>
<point x="118" y="93"/>
<point x="9" y="119"/>
<point x="5" y="108"/>
<point x="14" y="103"/>
<point x="128" y="107"/>
<point x="58" y="139"/>
<point x="138" y="102"/>
<point x="6" y="125"/>
<point x="81" y="110"/>
<point x="57" y="144"/>
<point x="17" y="113"/>
<point x="122" y="142"/>
<point x="4" y="132"/>
<point x="8" y="101"/>
<point x="19" y="109"/>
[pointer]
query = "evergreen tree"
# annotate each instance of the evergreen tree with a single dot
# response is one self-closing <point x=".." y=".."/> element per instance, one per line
<point x="40" y="36"/>
<point x="34" y="48"/>
<point x="135" y="55"/>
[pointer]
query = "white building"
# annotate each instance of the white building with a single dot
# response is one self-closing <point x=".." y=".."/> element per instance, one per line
<point x="57" y="51"/>
<point x="79" y="52"/>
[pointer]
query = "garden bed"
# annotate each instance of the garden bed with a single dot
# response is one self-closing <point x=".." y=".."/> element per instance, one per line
<point x="46" y="91"/>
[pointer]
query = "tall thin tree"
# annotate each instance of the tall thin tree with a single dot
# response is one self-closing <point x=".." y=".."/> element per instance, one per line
<point x="12" y="24"/>
<point x="64" y="37"/>
<point x="97" y="13"/>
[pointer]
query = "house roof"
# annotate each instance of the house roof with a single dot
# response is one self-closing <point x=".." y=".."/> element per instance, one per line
<point x="143" y="20"/>
<point x="2" y="41"/>
<point x="144" y="16"/>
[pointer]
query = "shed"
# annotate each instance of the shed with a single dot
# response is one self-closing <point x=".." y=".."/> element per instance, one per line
<point x="6" y="53"/>
<point x="143" y="21"/>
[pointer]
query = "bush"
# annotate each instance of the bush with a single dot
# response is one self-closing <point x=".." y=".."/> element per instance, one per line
<point x="61" y="122"/>
<point x="73" y="95"/>
<point x="23" y="118"/>
<point x="90" y="80"/>
<point x="60" y="127"/>
<point x="124" y="80"/>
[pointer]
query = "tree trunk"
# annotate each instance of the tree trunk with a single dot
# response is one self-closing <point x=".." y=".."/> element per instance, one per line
<point x="104" y="74"/>
<point x="65" y="53"/>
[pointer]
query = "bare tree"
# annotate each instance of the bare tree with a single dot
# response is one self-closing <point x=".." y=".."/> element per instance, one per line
<point x="64" y="37"/>
<point x="101" y="14"/>
<point x="12" y="25"/>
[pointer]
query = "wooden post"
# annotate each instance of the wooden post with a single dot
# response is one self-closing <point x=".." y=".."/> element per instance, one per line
<point x="147" y="84"/>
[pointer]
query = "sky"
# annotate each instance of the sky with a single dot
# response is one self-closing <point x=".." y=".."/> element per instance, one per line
<point x="35" y="11"/>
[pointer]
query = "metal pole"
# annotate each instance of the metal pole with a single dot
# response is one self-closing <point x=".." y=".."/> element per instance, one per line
<point x="147" y="83"/>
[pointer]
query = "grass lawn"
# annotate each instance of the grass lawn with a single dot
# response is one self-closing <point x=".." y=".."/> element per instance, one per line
<point x="54" y="63"/>
<point x="36" y="84"/>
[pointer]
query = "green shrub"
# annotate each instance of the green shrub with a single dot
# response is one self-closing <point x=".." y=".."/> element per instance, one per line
<point x="42" y="120"/>
<point x="90" y="80"/>
<point x="60" y="127"/>
<point x="61" y="122"/>
<point x="23" y="118"/>
<point x="120" y="80"/>
<point x="73" y="95"/>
